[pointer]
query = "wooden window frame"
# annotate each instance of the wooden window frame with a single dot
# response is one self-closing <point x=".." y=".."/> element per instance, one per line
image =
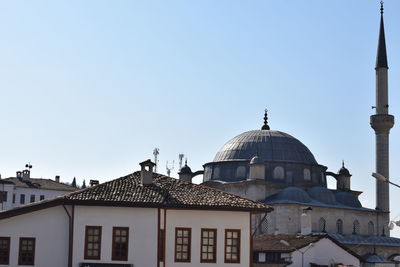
<point x="41" y="197"/>
<point x="114" y="249"/>
<point x="22" y="199"/>
<point x="86" y="256"/>
<point x="6" y="262"/>
<point x="32" y="198"/>
<point x="189" y="252"/>
<point x="21" y="239"/>
<point x="214" y="260"/>
<point x="237" y="246"/>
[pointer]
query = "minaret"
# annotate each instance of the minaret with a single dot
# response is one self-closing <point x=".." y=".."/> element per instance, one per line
<point x="382" y="122"/>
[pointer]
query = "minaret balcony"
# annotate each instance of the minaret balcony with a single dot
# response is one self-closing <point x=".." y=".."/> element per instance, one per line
<point x="382" y="123"/>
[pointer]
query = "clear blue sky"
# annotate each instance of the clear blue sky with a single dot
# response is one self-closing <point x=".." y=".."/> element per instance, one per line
<point x="90" y="88"/>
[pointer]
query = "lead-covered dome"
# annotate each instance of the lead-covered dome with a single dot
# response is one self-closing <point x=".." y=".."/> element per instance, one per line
<point x="269" y="145"/>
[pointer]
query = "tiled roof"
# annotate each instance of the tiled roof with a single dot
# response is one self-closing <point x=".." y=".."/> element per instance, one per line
<point x="40" y="184"/>
<point x="366" y="240"/>
<point x="163" y="192"/>
<point x="272" y="243"/>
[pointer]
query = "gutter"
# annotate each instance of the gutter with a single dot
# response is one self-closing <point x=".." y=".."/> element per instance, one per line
<point x="70" y="232"/>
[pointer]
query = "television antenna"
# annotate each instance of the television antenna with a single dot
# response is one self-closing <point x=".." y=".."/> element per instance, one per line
<point x="180" y="160"/>
<point x="169" y="168"/>
<point x="156" y="151"/>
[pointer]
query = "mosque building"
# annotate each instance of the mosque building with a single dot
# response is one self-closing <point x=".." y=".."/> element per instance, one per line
<point x="275" y="168"/>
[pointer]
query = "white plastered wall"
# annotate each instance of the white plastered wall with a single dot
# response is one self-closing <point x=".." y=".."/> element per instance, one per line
<point x="143" y="229"/>
<point x="49" y="227"/>
<point x="324" y="252"/>
<point x="197" y="219"/>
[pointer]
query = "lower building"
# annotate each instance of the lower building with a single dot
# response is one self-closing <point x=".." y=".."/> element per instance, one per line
<point x="143" y="220"/>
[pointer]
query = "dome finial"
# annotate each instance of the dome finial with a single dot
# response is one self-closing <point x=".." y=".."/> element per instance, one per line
<point x="382" y="7"/>
<point x="342" y="163"/>
<point x="265" y="126"/>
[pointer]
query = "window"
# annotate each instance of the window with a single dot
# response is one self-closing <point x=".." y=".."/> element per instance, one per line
<point x="161" y="245"/>
<point x="322" y="225"/>
<point x="279" y="173"/>
<point x="3" y="196"/>
<point x="120" y="243"/>
<point x="261" y="257"/>
<point x="26" y="254"/>
<point x="182" y="244"/>
<point x="240" y="172"/>
<point x="22" y="199"/>
<point x="13" y="199"/>
<point x="232" y="246"/>
<point x="356" y="228"/>
<point x="4" y="250"/>
<point x="208" y="245"/>
<point x="264" y="226"/>
<point x="371" y="228"/>
<point x="41" y="197"/>
<point x="32" y="198"/>
<point x="216" y="173"/>
<point x="93" y="242"/>
<point x="307" y="174"/>
<point x="339" y="226"/>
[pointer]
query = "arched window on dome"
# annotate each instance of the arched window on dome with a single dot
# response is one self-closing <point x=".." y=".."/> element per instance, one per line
<point x="240" y="172"/>
<point x="307" y="174"/>
<point x="279" y="173"/>
<point x="356" y="227"/>
<point x="216" y="173"/>
<point x="371" y="228"/>
<point x="322" y="225"/>
<point x="207" y="173"/>
<point x="339" y="226"/>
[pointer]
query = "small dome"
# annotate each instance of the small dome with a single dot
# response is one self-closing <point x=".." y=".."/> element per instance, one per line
<point x="345" y="172"/>
<point x="348" y="199"/>
<point x="322" y="194"/>
<point x="293" y="194"/>
<point x="269" y="145"/>
<point x="255" y="160"/>
<point x="185" y="170"/>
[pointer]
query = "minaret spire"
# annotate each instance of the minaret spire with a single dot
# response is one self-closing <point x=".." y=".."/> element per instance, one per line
<point x="382" y="122"/>
<point x="265" y="126"/>
<point x="381" y="57"/>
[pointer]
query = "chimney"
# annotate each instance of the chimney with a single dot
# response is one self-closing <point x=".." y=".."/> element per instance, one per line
<point x="26" y="174"/>
<point x="146" y="172"/>
<point x="19" y="174"/>
<point x="94" y="182"/>
<point x="57" y="178"/>
<point x="305" y="222"/>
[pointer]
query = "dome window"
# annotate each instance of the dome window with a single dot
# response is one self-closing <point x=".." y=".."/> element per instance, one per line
<point x="216" y="174"/>
<point x="207" y="173"/>
<point x="322" y="225"/>
<point x="339" y="226"/>
<point x="240" y="172"/>
<point x="307" y="174"/>
<point x="356" y="228"/>
<point x="279" y="173"/>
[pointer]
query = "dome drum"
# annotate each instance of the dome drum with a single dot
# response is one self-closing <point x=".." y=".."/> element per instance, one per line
<point x="276" y="172"/>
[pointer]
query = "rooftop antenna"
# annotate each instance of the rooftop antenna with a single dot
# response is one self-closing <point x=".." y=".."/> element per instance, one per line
<point x="180" y="161"/>
<point x="169" y="168"/>
<point x="156" y="151"/>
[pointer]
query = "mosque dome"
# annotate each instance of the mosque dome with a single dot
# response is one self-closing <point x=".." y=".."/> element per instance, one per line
<point x="348" y="199"/>
<point x="269" y="145"/>
<point x="322" y="194"/>
<point x="295" y="194"/>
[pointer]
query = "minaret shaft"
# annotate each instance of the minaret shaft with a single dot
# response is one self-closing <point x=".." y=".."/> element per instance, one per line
<point x="382" y="122"/>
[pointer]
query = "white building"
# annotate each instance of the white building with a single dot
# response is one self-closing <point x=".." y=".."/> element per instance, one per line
<point x="22" y="189"/>
<point x="299" y="250"/>
<point x="142" y="220"/>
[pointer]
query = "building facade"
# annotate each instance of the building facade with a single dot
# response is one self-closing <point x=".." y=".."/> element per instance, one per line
<point x="143" y="219"/>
